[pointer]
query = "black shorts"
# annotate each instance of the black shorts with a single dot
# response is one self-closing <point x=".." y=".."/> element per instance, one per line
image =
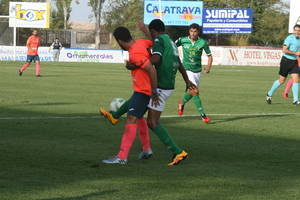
<point x="30" y="58"/>
<point x="138" y="104"/>
<point x="288" y="66"/>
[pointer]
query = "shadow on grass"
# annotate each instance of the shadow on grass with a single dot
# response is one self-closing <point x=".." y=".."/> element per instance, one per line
<point x="216" y="120"/>
<point x="45" y="154"/>
<point x="86" y="196"/>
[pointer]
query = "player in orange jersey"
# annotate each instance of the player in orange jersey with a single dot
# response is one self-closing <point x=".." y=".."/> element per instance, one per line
<point x="32" y="44"/>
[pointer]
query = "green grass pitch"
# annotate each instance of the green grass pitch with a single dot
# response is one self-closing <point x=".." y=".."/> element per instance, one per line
<point x="52" y="139"/>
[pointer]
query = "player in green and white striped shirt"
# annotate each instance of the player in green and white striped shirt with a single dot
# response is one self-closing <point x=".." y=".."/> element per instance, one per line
<point x="192" y="48"/>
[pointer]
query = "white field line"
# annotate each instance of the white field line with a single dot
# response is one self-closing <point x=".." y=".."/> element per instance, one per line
<point x="164" y="116"/>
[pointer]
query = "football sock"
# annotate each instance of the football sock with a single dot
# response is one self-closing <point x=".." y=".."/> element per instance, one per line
<point x="121" y="111"/>
<point x="295" y="89"/>
<point x="198" y="104"/>
<point x="163" y="135"/>
<point x="144" y="134"/>
<point x="274" y="87"/>
<point x="37" y="69"/>
<point x="186" y="98"/>
<point x="288" y="86"/>
<point x="127" y="140"/>
<point x="24" y="67"/>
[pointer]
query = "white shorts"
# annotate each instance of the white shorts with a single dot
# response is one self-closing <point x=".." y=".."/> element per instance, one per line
<point x="163" y="96"/>
<point x="194" y="77"/>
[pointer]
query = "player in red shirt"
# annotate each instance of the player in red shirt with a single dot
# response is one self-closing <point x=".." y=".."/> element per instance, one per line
<point x="144" y="83"/>
<point x="33" y="43"/>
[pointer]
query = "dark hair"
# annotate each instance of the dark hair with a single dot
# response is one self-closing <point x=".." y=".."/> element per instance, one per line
<point x="56" y="39"/>
<point x="123" y="34"/>
<point x="194" y="26"/>
<point x="297" y="26"/>
<point x="157" y="25"/>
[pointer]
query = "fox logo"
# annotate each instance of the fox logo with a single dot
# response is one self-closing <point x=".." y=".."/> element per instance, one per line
<point x="29" y="15"/>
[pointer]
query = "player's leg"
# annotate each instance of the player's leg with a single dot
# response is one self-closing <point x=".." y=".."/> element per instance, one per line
<point x="137" y="108"/>
<point x="186" y="96"/>
<point x="287" y="89"/>
<point x="37" y="66"/>
<point x="161" y="132"/>
<point x="113" y="117"/>
<point x="24" y="67"/>
<point x="283" y="73"/>
<point x="121" y="111"/>
<point x="143" y="132"/>
<point x="197" y="99"/>
<point x="295" y="88"/>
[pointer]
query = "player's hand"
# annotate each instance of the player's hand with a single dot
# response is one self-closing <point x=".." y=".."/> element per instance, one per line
<point x="190" y="86"/>
<point x="131" y="66"/>
<point x="142" y="26"/>
<point x="206" y="70"/>
<point x="155" y="98"/>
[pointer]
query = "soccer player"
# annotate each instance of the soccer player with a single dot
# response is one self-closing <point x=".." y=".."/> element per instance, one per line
<point x="166" y="60"/>
<point x="289" y="65"/>
<point x="192" y="47"/>
<point x="289" y="85"/>
<point x="144" y="85"/>
<point x="33" y="43"/>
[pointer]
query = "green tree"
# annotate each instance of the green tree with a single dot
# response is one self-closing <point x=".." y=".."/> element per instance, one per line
<point x="61" y="15"/>
<point x="96" y="6"/>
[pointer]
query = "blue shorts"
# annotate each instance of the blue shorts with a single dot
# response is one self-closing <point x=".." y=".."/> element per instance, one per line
<point x="138" y="104"/>
<point x="30" y="58"/>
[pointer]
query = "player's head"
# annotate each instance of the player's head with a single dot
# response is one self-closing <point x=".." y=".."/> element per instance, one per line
<point x="34" y="32"/>
<point x="297" y="30"/>
<point x="156" y="27"/>
<point x="56" y="40"/>
<point x="194" y="31"/>
<point x="123" y="37"/>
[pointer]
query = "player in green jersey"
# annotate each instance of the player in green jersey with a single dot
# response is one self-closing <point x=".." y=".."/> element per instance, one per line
<point x="166" y="60"/>
<point x="192" y="48"/>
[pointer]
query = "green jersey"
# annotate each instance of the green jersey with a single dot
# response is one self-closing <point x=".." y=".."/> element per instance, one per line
<point x="169" y="61"/>
<point x="192" y="52"/>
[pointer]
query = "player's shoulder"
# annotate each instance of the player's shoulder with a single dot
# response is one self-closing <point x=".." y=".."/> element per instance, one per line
<point x="290" y="37"/>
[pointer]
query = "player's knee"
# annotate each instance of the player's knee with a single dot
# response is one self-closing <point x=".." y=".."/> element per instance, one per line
<point x="131" y="119"/>
<point x="151" y="123"/>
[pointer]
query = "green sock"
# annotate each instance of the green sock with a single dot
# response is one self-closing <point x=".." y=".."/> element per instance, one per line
<point x="163" y="135"/>
<point x="198" y="104"/>
<point x="122" y="110"/>
<point x="186" y="98"/>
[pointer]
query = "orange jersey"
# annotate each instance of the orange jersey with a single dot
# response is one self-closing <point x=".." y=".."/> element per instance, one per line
<point x="139" y="55"/>
<point x="33" y="43"/>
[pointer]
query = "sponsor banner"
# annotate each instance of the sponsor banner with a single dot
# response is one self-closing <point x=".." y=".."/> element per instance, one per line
<point x="29" y="14"/>
<point x="227" y="21"/>
<point x="294" y="14"/>
<point x="7" y="53"/>
<point x="173" y="13"/>
<point x="244" y="56"/>
<point x="66" y="55"/>
<point x="88" y="55"/>
<point x="251" y="56"/>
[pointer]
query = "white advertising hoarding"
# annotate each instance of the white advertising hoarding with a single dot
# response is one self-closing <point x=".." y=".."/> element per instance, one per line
<point x="294" y="14"/>
<point x="243" y="56"/>
<point x="29" y="14"/>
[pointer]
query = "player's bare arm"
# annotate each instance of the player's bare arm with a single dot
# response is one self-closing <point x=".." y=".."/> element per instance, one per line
<point x="155" y="59"/>
<point x="286" y="50"/>
<point x="131" y="66"/>
<point x="144" y="29"/>
<point x="153" y="79"/>
<point x="209" y="64"/>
